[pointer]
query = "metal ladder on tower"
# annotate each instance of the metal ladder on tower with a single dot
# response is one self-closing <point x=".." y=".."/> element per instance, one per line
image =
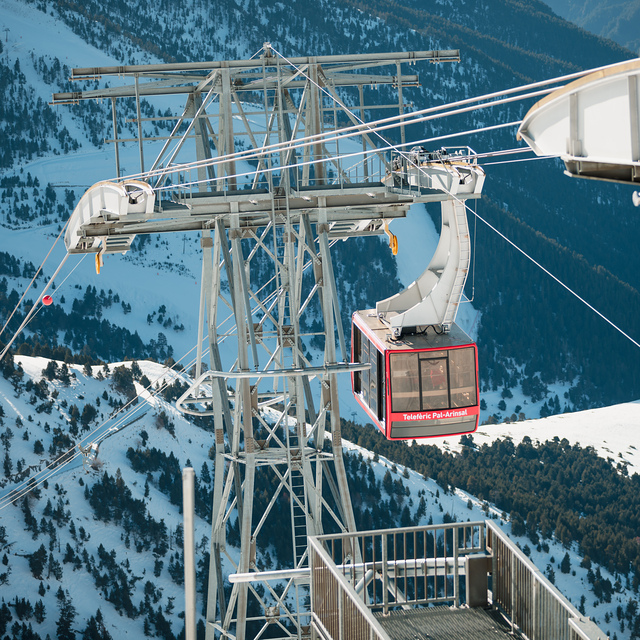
<point x="298" y="498"/>
<point x="298" y="494"/>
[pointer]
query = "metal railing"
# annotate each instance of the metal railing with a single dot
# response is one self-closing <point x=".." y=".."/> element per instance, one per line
<point x="355" y="575"/>
<point x="337" y="611"/>
<point x="528" y="599"/>
<point x="415" y="565"/>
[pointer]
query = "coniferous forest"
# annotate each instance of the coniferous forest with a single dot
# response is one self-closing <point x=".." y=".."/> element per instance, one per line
<point x="530" y="328"/>
<point x="550" y="489"/>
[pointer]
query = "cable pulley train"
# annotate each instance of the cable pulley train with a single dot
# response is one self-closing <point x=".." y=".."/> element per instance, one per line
<point x="423" y="375"/>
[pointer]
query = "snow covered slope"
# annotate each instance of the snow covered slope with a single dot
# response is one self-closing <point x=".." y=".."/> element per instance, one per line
<point x="111" y="530"/>
<point x="614" y="432"/>
<point x="46" y="39"/>
<point x="77" y="543"/>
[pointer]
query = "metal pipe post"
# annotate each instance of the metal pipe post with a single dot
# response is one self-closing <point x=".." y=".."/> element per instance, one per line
<point x="188" y="507"/>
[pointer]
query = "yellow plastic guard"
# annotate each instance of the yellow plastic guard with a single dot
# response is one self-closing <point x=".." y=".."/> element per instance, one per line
<point x="393" y="240"/>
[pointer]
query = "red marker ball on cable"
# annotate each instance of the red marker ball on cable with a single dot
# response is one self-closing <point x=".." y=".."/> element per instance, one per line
<point x="47" y="300"/>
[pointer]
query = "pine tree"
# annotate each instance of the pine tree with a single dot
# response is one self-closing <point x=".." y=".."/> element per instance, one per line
<point x="67" y="617"/>
<point x="5" y="618"/>
<point x="387" y="482"/>
<point x="39" y="611"/>
<point x="95" y="629"/>
<point x="7" y="465"/>
<point x="63" y="375"/>
<point x="37" y="561"/>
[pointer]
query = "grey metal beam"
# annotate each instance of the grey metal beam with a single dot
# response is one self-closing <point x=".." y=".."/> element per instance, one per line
<point x="448" y="55"/>
<point x="152" y="89"/>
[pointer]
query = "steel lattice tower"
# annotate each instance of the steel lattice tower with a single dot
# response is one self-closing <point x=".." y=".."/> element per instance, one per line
<point x="267" y="287"/>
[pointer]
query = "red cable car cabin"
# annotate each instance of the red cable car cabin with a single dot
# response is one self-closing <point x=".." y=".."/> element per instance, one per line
<point x="419" y="386"/>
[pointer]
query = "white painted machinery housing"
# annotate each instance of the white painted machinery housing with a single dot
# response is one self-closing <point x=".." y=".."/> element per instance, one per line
<point x="106" y="202"/>
<point x="592" y="124"/>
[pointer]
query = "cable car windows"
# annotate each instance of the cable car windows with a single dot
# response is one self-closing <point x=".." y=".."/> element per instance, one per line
<point x="435" y="392"/>
<point x="370" y="383"/>
<point x="405" y="382"/>
<point x="373" y="378"/>
<point x="431" y="380"/>
<point x="357" y="342"/>
<point x="364" y="357"/>
<point x="462" y="373"/>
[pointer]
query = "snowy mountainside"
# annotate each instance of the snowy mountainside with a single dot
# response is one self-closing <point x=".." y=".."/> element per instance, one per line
<point x="131" y="600"/>
<point x="559" y="224"/>
<point x="611" y="431"/>
<point x="81" y="546"/>
<point x="614" y="20"/>
<point x="101" y="547"/>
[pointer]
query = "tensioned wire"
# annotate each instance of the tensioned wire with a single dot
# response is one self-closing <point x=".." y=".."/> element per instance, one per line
<point x="34" y="278"/>
<point x="356" y="130"/>
<point x="71" y="454"/>
<point x="535" y="262"/>
<point x="307" y="141"/>
<point x="33" y="309"/>
<point x="60" y="461"/>
<point x="490" y="164"/>
<point x="511" y="242"/>
<point x="355" y="154"/>
<point x="65" y="458"/>
<point x="38" y="309"/>
<point x="374" y="126"/>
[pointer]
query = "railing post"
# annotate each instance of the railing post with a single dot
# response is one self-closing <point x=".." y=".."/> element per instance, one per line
<point x="494" y="567"/>
<point x="534" y="611"/>
<point x="512" y="598"/>
<point x="341" y="635"/>
<point x="456" y="584"/>
<point x="385" y="578"/>
<point x="188" y="475"/>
